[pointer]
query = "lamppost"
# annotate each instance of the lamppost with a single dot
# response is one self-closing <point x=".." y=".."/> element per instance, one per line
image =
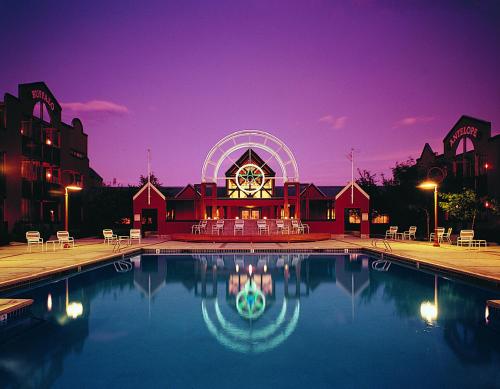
<point x="66" y="201"/>
<point x="433" y="185"/>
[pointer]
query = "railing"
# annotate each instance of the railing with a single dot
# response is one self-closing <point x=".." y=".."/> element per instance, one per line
<point x="385" y="242"/>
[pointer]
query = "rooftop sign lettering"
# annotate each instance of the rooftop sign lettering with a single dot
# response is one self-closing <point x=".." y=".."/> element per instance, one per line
<point x="463" y="131"/>
<point x="38" y="94"/>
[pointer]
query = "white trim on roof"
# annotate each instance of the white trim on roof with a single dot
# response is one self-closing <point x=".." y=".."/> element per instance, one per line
<point x="187" y="186"/>
<point x="152" y="187"/>
<point x="348" y="186"/>
<point x="311" y="184"/>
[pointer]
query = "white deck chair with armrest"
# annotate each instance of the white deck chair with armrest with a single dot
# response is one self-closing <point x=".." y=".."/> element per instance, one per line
<point x="33" y="238"/>
<point x="135" y="234"/>
<point x="108" y="235"/>
<point x="64" y="239"/>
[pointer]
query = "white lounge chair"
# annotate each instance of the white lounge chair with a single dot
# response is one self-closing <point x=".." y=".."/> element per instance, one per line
<point x="109" y="236"/>
<point x="280" y="226"/>
<point x="392" y="232"/>
<point x="218" y="227"/>
<point x="305" y="227"/>
<point x="466" y="238"/>
<point x="239" y="225"/>
<point x="262" y="226"/>
<point x="440" y="233"/>
<point x="200" y="227"/>
<point x="33" y="238"/>
<point x="297" y="228"/>
<point x="64" y="239"/>
<point x="447" y="235"/>
<point x="410" y="234"/>
<point x="135" y="234"/>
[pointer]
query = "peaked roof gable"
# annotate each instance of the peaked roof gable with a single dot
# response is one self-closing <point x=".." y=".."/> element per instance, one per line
<point x="188" y="192"/>
<point x="348" y="186"/>
<point x="144" y="188"/>
<point x="250" y="156"/>
<point x="313" y="191"/>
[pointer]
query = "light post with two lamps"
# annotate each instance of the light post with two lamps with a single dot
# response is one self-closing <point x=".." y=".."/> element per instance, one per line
<point x="433" y="185"/>
<point x="67" y="189"/>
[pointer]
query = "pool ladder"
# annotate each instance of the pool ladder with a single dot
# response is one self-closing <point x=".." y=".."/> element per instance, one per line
<point x="381" y="265"/>
<point x="123" y="266"/>
<point x="387" y="246"/>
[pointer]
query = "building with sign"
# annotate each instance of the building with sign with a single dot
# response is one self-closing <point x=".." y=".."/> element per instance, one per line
<point x="39" y="156"/>
<point x="251" y="175"/>
<point x="470" y="158"/>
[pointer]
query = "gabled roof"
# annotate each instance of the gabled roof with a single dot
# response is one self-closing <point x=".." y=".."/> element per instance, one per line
<point x="313" y="188"/>
<point x="250" y="156"/>
<point x="184" y="192"/>
<point x="331" y="190"/>
<point x="427" y="150"/>
<point x="348" y="186"/>
<point x="152" y="187"/>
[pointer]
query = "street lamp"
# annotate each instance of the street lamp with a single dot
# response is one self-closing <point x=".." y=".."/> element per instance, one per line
<point x="66" y="198"/>
<point x="433" y="185"/>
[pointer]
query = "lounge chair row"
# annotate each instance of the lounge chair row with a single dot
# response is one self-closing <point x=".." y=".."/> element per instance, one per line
<point x="263" y="227"/>
<point x="111" y="238"/>
<point x="465" y="238"/>
<point x="33" y="238"/>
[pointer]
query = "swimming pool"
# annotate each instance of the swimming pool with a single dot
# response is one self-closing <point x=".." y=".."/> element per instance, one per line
<point x="256" y="321"/>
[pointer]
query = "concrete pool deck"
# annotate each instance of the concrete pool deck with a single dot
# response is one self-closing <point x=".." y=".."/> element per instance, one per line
<point x="19" y="266"/>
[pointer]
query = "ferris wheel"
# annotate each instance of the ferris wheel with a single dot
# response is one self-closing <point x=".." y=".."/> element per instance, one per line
<point x="251" y="175"/>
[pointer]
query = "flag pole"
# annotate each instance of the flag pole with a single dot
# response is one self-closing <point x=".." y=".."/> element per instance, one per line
<point x="352" y="176"/>
<point x="149" y="177"/>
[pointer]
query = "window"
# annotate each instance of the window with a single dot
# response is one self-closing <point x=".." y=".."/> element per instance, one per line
<point x="51" y="137"/>
<point x="381" y="219"/>
<point x="77" y="154"/>
<point x="354" y="216"/>
<point x="51" y="174"/>
<point x="30" y="170"/>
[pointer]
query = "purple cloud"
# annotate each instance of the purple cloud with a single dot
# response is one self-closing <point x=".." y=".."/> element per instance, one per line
<point x="412" y="120"/>
<point x="95" y="106"/>
<point x="334" y="122"/>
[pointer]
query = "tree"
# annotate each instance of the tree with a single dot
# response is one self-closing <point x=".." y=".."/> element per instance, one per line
<point x="465" y="206"/>
<point x="154" y="180"/>
<point x="367" y="181"/>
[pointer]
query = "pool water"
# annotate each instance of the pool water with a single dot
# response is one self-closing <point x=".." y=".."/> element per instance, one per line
<point x="252" y="321"/>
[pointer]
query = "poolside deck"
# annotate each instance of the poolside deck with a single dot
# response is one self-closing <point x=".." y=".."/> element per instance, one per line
<point x="17" y="265"/>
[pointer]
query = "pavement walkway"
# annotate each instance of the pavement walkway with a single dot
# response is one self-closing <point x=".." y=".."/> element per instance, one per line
<point x="17" y="265"/>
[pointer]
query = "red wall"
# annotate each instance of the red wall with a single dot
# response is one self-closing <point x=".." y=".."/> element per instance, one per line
<point x="360" y="201"/>
<point x="141" y="202"/>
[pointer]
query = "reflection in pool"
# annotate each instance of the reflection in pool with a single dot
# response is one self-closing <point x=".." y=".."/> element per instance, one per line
<point x="288" y="320"/>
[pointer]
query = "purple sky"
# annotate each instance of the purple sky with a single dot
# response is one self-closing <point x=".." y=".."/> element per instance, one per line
<point x="323" y="76"/>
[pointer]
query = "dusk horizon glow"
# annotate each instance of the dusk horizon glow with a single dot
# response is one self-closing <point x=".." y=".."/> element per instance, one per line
<point x="177" y="77"/>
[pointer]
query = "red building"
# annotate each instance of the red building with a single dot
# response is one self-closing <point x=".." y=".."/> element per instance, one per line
<point x="260" y="182"/>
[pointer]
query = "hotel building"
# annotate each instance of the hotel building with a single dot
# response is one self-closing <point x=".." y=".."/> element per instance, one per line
<point x="39" y="156"/>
